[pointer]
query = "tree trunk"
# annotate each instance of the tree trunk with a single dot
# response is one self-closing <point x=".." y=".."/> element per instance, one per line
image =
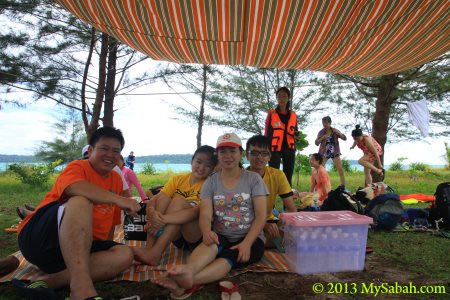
<point x="385" y="98"/>
<point x="84" y="108"/>
<point x="101" y="86"/>
<point x="108" y="112"/>
<point x="202" y="108"/>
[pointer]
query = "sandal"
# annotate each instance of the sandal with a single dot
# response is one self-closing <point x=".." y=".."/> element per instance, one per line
<point x="35" y="290"/>
<point x="229" y="291"/>
<point x="12" y="229"/>
<point x="187" y="292"/>
<point x="381" y="174"/>
<point x="20" y="212"/>
<point x="29" y="207"/>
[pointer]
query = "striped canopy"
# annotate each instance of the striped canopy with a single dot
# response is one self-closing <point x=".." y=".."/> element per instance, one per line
<point x="354" y="37"/>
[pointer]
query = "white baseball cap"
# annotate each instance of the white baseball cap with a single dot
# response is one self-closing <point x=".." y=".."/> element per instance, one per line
<point x="229" y="140"/>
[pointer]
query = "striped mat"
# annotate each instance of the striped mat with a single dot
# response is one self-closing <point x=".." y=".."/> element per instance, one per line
<point x="272" y="261"/>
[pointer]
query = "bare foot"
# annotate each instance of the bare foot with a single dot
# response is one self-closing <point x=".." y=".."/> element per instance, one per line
<point x="169" y="284"/>
<point x="147" y="256"/>
<point x="183" y="275"/>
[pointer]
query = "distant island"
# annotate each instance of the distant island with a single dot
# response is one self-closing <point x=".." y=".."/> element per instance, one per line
<point x="154" y="159"/>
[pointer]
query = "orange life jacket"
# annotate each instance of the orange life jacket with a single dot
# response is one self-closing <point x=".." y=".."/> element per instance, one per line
<point x="279" y="130"/>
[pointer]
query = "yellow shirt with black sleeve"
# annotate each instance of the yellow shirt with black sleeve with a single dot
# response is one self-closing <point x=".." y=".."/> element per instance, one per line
<point x="179" y="186"/>
<point x="277" y="184"/>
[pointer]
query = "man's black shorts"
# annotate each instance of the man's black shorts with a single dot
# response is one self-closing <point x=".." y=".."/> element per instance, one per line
<point x="39" y="240"/>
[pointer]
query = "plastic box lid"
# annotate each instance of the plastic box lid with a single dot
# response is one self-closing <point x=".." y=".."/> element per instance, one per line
<point x="324" y="218"/>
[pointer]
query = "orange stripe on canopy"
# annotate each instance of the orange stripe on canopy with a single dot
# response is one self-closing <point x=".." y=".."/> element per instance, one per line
<point x="354" y="37"/>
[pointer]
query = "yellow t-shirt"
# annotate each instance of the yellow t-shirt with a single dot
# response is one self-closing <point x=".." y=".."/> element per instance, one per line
<point x="180" y="186"/>
<point x="277" y="184"/>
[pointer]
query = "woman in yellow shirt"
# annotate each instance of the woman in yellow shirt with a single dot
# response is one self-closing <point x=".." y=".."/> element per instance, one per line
<point x="173" y="212"/>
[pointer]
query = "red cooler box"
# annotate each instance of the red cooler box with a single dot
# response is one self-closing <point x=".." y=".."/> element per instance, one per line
<point x="328" y="241"/>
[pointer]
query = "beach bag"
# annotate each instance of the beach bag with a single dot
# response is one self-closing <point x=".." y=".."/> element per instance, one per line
<point x="440" y="209"/>
<point x="338" y="199"/>
<point x="133" y="227"/>
<point x="386" y="211"/>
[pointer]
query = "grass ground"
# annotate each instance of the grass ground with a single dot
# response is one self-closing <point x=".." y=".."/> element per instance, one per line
<point x="418" y="257"/>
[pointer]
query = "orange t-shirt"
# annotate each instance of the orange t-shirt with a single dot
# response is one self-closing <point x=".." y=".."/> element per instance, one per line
<point x="81" y="170"/>
<point x="320" y="180"/>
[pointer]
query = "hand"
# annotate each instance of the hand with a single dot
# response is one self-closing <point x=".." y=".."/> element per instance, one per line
<point x="130" y="206"/>
<point x="210" y="237"/>
<point x="271" y="230"/>
<point x="244" y="251"/>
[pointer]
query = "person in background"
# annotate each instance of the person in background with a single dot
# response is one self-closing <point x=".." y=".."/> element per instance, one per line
<point x="258" y="155"/>
<point x="234" y="201"/>
<point x="328" y="139"/>
<point x="66" y="236"/>
<point x="320" y="180"/>
<point x="173" y="212"/>
<point x="371" y="154"/>
<point x="131" y="179"/>
<point x="281" y="129"/>
<point x="130" y="160"/>
<point x="320" y="184"/>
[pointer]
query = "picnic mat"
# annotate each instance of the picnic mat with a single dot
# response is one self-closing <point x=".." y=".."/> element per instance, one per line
<point x="272" y="261"/>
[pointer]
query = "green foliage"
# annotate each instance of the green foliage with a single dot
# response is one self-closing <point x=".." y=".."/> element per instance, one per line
<point x="418" y="166"/>
<point x="148" y="169"/>
<point x="398" y="164"/>
<point x="301" y="142"/>
<point x="345" y="165"/>
<point x="34" y="174"/>
<point x="302" y="164"/>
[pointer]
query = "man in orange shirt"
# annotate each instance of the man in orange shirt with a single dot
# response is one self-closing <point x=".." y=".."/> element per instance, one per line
<point x="67" y="234"/>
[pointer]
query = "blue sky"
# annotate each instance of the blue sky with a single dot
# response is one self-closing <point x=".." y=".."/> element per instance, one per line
<point x="149" y="130"/>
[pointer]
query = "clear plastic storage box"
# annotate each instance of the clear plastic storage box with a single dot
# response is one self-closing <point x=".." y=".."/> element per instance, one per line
<point x="329" y="241"/>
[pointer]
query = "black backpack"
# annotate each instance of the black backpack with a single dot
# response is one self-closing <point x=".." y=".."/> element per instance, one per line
<point x="338" y="199"/>
<point x="440" y="209"/>
<point x="386" y="211"/>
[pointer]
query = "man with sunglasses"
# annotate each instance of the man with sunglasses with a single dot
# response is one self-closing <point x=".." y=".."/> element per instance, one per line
<point x="258" y="154"/>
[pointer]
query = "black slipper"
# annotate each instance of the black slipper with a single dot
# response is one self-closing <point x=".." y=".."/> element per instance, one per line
<point x="34" y="290"/>
<point x="20" y="212"/>
<point x="30" y="207"/>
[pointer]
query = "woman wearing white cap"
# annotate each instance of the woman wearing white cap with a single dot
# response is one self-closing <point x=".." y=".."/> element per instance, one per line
<point x="234" y="200"/>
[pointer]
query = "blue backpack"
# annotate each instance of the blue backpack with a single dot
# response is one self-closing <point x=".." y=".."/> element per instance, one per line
<point x="386" y="211"/>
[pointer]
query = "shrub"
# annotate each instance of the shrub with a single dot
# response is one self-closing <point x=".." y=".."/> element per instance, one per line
<point x="398" y="164"/>
<point x="417" y="166"/>
<point x="148" y="169"/>
<point x="34" y="174"/>
<point x="345" y="165"/>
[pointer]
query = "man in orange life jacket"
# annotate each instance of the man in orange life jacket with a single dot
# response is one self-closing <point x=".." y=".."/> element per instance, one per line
<point x="281" y="128"/>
